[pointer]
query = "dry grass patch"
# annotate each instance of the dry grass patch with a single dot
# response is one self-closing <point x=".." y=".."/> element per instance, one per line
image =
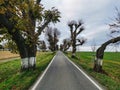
<point x="7" y="55"/>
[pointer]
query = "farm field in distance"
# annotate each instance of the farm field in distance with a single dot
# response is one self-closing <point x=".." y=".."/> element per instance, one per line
<point x="7" y="55"/>
<point x="111" y="66"/>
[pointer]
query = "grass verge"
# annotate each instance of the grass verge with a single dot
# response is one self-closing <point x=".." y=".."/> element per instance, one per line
<point x="12" y="79"/>
<point x="111" y="65"/>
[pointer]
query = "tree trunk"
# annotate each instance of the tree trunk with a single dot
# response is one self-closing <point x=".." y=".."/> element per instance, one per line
<point x="27" y="52"/>
<point x="29" y="62"/>
<point x="73" y="50"/>
<point x="100" y="54"/>
<point x="98" y="65"/>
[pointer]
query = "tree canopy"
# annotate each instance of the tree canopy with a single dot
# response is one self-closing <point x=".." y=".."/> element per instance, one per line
<point x="23" y="21"/>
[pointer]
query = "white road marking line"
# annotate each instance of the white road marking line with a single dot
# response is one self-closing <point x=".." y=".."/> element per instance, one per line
<point x="41" y="77"/>
<point x="84" y="74"/>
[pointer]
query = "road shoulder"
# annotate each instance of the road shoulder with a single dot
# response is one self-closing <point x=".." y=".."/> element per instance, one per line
<point x="94" y="81"/>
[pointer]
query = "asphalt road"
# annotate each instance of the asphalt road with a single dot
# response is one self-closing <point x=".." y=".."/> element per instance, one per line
<point x="63" y="75"/>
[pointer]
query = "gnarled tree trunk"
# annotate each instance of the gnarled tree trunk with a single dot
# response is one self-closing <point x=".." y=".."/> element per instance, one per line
<point x="73" y="48"/>
<point x="29" y="61"/>
<point x="100" y="54"/>
<point x="27" y="52"/>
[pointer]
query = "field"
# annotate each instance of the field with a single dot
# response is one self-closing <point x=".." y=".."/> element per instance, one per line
<point x="7" y="55"/>
<point x="11" y="78"/>
<point x="111" y="65"/>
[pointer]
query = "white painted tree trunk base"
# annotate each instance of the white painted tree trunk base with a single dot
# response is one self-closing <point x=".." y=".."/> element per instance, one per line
<point x="24" y="62"/>
<point x="73" y="54"/>
<point x="98" y="64"/>
<point x="28" y="62"/>
<point x="99" y="61"/>
<point x="32" y="61"/>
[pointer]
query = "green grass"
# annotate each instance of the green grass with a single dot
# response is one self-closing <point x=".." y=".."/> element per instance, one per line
<point x="12" y="79"/>
<point x="111" y="65"/>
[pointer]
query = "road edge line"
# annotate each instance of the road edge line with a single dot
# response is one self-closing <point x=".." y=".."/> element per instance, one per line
<point x="93" y="82"/>
<point x="42" y="75"/>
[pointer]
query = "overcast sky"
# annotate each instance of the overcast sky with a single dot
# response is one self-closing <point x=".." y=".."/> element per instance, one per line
<point x="96" y="14"/>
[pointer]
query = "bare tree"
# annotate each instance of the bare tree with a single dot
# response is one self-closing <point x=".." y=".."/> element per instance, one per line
<point x="115" y="28"/>
<point x="52" y="37"/>
<point x="66" y="44"/>
<point x="75" y="29"/>
<point x="93" y="46"/>
<point x="61" y="47"/>
<point x="42" y="46"/>
<point x="100" y="54"/>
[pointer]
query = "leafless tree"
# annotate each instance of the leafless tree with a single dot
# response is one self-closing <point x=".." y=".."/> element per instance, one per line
<point x="75" y="29"/>
<point x="61" y="47"/>
<point x="93" y="46"/>
<point x="52" y="35"/>
<point x="42" y="46"/>
<point x="66" y="44"/>
<point x="115" y="28"/>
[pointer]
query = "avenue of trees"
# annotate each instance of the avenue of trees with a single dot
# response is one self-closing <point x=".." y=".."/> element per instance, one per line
<point x="23" y="21"/>
<point x="18" y="20"/>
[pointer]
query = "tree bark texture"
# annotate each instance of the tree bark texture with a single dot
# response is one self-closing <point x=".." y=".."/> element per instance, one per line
<point x="100" y="54"/>
<point x="27" y="51"/>
<point x="73" y="48"/>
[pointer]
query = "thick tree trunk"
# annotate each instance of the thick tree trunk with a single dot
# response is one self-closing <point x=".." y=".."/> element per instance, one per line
<point x="98" y="65"/>
<point x="100" y="54"/>
<point x="73" y="50"/>
<point x="27" y="52"/>
<point x="29" y="62"/>
<point x="99" y="58"/>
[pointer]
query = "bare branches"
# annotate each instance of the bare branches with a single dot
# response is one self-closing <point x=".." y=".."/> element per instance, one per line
<point x="115" y="27"/>
<point x="42" y="45"/>
<point x="81" y="41"/>
<point x="75" y="25"/>
<point x="93" y="46"/>
<point x="52" y="37"/>
<point x="80" y="30"/>
<point x="66" y="44"/>
<point x="76" y="28"/>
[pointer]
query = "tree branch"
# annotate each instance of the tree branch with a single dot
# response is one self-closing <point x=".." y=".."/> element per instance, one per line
<point x="100" y="50"/>
<point x="81" y="41"/>
<point x="38" y="1"/>
<point x="41" y="28"/>
<point x="80" y="30"/>
<point x="6" y="23"/>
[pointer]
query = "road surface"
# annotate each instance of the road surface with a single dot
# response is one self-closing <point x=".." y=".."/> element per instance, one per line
<point x="63" y="75"/>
